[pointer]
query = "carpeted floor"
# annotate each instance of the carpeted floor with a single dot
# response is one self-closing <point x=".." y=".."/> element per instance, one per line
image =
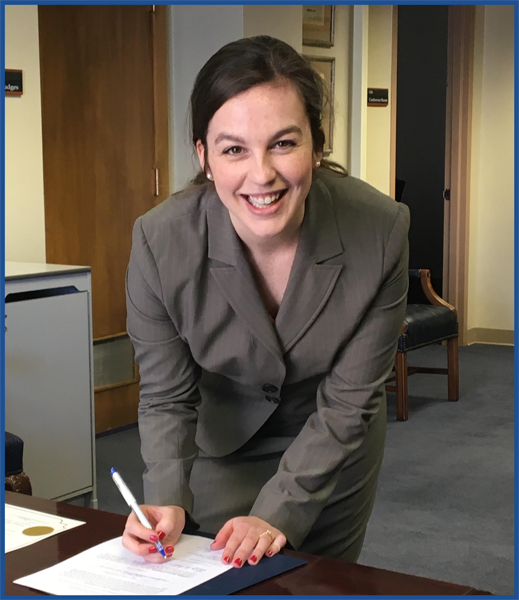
<point x="445" y="502"/>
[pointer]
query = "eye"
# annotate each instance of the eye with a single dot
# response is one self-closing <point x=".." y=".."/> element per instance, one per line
<point x="233" y="150"/>
<point x="282" y="144"/>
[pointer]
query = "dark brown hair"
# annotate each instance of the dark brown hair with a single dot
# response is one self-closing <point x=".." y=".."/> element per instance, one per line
<point x="245" y="63"/>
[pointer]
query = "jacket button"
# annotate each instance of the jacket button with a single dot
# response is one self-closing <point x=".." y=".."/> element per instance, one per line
<point x="272" y="399"/>
<point x="269" y="388"/>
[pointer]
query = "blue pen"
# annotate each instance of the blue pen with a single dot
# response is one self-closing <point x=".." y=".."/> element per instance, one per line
<point x="132" y="503"/>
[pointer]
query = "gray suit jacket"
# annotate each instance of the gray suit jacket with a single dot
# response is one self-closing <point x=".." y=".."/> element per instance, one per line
<point x="213" y="367"/>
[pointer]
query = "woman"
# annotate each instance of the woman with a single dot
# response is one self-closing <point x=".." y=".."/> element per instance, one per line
<point x="264" y="306"/>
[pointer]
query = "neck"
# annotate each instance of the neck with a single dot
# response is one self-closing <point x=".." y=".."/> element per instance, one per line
<point x="271" y="250"/>
<point x="284" y="241"/>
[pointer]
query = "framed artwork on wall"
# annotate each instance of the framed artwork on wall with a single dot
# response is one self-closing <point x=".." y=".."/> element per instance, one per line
<point x="318" y="25"/>
<point x="325" y="67"/>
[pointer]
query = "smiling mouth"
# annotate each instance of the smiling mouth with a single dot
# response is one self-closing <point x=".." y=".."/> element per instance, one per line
<point x="264" y="200"/>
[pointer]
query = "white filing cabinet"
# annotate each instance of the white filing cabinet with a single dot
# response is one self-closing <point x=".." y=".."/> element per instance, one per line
<point x="49" y="400"/>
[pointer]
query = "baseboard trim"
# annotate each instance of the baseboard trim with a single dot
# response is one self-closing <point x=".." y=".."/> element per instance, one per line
<point x="480" y="335"/>
<point x="115" y="430"/>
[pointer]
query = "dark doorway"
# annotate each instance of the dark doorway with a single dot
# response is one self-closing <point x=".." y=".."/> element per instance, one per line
<point x="420" y="131"/>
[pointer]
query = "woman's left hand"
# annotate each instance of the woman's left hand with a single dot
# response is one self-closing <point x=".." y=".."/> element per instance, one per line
<point x="248" y="539"/>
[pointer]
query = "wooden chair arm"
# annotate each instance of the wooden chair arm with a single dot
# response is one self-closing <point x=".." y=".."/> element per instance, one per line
<point x="432" y="296"/>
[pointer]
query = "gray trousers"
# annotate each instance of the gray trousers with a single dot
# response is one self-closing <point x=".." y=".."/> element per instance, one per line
<point x="227" y="487"/>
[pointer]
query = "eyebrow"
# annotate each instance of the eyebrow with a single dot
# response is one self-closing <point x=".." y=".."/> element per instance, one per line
<point x="238" y="140"/>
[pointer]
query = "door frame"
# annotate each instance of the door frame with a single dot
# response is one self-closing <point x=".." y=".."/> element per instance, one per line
<point x="460" y="56"/>
<point x="458" y="142"/>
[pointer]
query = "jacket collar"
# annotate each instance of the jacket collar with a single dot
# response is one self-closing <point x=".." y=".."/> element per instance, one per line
<point x="225" y="246"/>
<point x="309" y="285"/>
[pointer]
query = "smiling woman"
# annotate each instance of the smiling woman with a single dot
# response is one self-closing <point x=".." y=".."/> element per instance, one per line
<point x="260" y="156"/>
<point x="264" y="304"/>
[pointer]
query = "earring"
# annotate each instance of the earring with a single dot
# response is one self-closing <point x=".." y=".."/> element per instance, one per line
<point x="317" y="164"/>
<point x="209" y="176"/>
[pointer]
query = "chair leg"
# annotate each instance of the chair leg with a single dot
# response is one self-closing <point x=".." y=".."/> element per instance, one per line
<point x="453" y="370"/>
<point x="402" y="403"/>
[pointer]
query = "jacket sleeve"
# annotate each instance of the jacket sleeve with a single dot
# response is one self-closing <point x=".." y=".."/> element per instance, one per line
<point x="169" y="383"/>
<point x="347" y="398"/>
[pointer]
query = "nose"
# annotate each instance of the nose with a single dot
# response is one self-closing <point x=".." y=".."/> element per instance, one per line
<point x="263" y="170"/>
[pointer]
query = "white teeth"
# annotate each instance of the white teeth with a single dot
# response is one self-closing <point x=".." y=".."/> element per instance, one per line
<point x="264" y="200"/>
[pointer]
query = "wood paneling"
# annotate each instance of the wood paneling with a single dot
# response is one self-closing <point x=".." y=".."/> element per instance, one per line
<point x="459" y="127"/>
<point x="98" y="146"/>
<point x="116" y="407"/>
<point x="104" y="121"/>
<point x="160" y="97"/>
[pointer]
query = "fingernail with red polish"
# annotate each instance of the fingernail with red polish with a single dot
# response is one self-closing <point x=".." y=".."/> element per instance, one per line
<point x="238" y="562"/>
<point x="154" y="538"/>
<point x="253" y="559"/>
<point x="152" y="549"/>
<point x="169" y="549"/>
<point x="162" y="535"/>
<point x="226" y="560"/>
<point x="269" y="552"/>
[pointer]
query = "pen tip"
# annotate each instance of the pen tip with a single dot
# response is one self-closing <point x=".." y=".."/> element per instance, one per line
<point x="112" y="471"/>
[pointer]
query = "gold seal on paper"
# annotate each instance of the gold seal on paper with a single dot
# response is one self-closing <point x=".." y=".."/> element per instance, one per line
<point x="39" y="530"/>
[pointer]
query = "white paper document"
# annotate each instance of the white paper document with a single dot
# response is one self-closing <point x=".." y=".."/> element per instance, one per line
<point x="110" y="569"/>
<point x="24" y="526"/>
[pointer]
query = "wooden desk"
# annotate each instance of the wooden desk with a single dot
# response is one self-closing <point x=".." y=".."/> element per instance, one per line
<point x="320" y="576"/>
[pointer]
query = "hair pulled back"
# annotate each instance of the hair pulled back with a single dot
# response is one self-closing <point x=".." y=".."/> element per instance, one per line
<point x="245" y="63"/>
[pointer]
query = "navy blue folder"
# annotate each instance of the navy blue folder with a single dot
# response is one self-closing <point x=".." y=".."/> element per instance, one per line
<point x="235" y="580"/>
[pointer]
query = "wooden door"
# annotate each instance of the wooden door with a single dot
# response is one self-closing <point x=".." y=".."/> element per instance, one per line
<point x="104" y="122"/>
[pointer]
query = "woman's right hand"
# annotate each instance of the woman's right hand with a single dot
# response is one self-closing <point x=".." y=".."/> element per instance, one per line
<point x="167" y="522"/>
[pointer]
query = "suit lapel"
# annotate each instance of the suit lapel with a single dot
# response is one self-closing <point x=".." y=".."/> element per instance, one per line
<point x="310" y="283"/>
<point x="234" y="277"/>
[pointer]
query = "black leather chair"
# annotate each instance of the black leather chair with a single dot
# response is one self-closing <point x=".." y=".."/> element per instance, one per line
<point x="15" y="479"/>
<point x="425" y="324"/>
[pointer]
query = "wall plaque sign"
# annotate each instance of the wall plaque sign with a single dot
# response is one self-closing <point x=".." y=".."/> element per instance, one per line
<point x="378" y="97"/>
<point x="13" y="82"/>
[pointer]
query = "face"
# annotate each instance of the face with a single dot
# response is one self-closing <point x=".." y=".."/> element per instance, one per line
<point x="260" y="156"/>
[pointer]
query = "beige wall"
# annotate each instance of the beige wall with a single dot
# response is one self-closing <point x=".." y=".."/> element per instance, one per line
<point x="491" y="291"/>
<point x="280" y="21"/>
<point x="24" y="208"/>
<point x="491" y="238"/>
<point x="195" y="33"/>
<point x="378" y="128"/>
